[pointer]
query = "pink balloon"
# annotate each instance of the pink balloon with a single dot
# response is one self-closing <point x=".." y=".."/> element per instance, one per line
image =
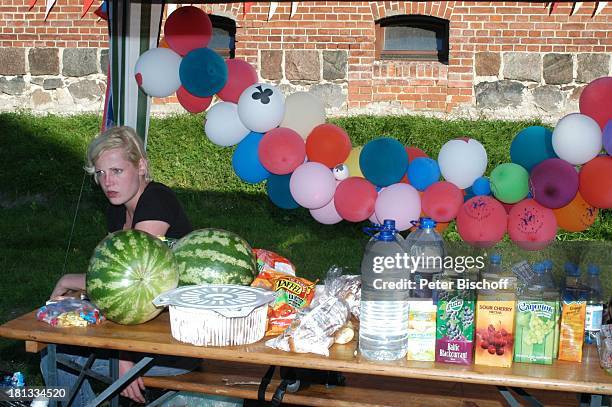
<point x="281" y="151"/>
<point x="531" y="226"/>
<point x="441" y="201"/>
<point x="312" y="185"/>
<point x="400" y="202"/>
<point x="482" y="221"/>
<point x="327" y="215"/>
<point x="192" y="103"/>
<point x="355" y="198"/>
<point x="240" y="75"/>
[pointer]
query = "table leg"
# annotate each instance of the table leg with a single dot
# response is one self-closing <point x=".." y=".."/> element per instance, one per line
<point x="113" y="367"/>
<point x="160" y="400"/>
<point x="52" y="369"/>
<point x="508" y="396"/>
<point x="77" y="384"/>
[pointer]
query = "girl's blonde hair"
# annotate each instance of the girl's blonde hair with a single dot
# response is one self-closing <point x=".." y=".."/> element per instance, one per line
<point x="124" y="138"/>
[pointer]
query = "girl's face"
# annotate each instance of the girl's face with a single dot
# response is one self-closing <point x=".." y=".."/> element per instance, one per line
<point x="121" y="180"/>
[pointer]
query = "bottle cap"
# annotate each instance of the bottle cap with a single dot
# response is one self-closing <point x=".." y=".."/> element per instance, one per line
<point x="571" y="269"/>
<point x="427" y="223"/>
<point x="496" y="258"/>
<point x="593" y="269"/>
<point x="387" y="231"/>
<point x="547" y="263"/>
<point x="538" y="268"/>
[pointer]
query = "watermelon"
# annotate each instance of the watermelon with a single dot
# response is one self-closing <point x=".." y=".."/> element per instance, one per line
<point x="128" y="269"/>
<point x="214" y="256"/>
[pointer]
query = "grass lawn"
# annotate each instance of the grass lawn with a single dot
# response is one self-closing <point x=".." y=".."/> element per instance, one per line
<point x="40" y="183"/>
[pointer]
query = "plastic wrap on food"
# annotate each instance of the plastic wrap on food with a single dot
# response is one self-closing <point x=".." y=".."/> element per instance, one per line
<point x="69" y="312"/>
<point x="347" y="287"/>
<point x="604" y="347"/>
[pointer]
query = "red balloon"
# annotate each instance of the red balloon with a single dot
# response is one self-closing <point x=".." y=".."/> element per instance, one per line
<point x="240" y="75"/>
<point x="596" y="182"/>
<point x="531" y="226"/>
<point x="355" y="199"/>
<point x="192" y="103"/>
<point x="186" y="29"/>
<point x="415" y="152"/>
<point x="281" y="151"/>
<point x="441" y="201"/>
<point x="328" y="144"/>
<point x="596" y="100"/>
<point x="482" y="221"/>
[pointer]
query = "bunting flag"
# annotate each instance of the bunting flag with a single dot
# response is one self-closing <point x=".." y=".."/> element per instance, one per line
<point x="102" y="11"/>
<point x="294" y="6"/>
<point x="599" y="6"/>
<point x="31" y="3"/>
<point x="86" y="6"/>
<point x="48" y="7"/>
<point x="273" y="7"/>
<point x="247" y="7"/>
<point x="576" y="7"/>
<point x="133" y="28"/>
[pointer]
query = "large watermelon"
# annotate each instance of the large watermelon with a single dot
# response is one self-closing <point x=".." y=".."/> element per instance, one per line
<point x="214" y="256"/>
<point x="127" y="271"/>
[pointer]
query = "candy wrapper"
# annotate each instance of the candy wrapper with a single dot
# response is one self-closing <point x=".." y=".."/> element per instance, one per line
<point x="604" y="347"/>
<point x="270" y="261"/>
<point x="68" y="312"/>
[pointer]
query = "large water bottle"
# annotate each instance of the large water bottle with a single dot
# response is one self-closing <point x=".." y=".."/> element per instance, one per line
<point x="594" y="311"/>
<point x="572" y="275"/>
<point x="549" y="278"/>
<point x="383" y="325"/>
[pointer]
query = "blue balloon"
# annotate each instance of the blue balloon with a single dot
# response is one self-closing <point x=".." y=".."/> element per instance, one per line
<point x="203" y="72"/>
<point x="469" y="194"/>
<point x="531" y="146"/>
<point x="245" y="160"/>
<point x="481" y="186"/>
<point x="383" y="161"/>
<point x="422" y="172"/>
<point x="279" y="193"/>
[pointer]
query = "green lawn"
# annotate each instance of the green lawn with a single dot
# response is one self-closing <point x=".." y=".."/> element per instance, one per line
<point x="40" y="184"/>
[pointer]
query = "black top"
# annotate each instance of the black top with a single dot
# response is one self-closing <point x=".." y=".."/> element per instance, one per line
<point x="157" y="202"/>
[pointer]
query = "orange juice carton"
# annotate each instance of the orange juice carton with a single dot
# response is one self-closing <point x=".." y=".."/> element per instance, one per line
<point x="421" y="330"/>
<point x="494" y="329"/>
<point x="573" y="316"/>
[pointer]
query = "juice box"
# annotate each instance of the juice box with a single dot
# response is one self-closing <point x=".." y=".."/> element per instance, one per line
<point x="534" y="341"/>
<point x="494" y="329"/>
<point x="455" y="327"/>
<point x="573" y="315"/>
<point x="421" y="330"/>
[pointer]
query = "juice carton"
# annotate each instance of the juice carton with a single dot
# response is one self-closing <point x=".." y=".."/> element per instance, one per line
<point x="573" y="316"/>
<point x="421" y="330"/>
<point x="455" y="327"/>
<point x="494" y="329"/>
<point x="534" y="341"/>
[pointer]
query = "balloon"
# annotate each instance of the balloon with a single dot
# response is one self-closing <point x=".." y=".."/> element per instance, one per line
<point x="422" y="172"/>
<point x="441" y="201"/>
<point x="415" y="152"/>
<point x="240" y="75"/>
<point x="245" y="160"/>
<point x="531" y="146"/>
<point x="341" y="172"/>
<point x="383" y="162"/>
<point x="577" y="138"/>
<point x="261" y="107"/>
<point x="355" y="199"/>
<point x="531" y="226"/>
<point x="279" y="193"/>
<point x="482" y="221"/>
<point x="596" y="100"/>
<point x="607" y="137"/>
<point x="281" y="151"/>
<point x="352" y="162"/>
<point x="596" y="182"/>
<point x="400" y="202"/>
<point x="157" y="72"/>
<point x="203" y="72"/>
<point x="312" y="184"/>
<point x="482" y="186"/>
<point x="553" y="183"/>
<point x="187" y="28"/>
<point x="191" y="103"/>
<point x="461" y="161"/>
<point x="222" y="125"/>
<point x="303" y="112"/>
<point x="327" y="214"/>
<point x="328" y="144"/>
<point x="509" y="182"/>
<point x="576" y="216"/>
<point x="163" y="43"/>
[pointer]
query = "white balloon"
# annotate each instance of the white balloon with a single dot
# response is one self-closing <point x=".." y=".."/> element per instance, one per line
<point x="223" y="126"/>
<point x="341" y="172"/>
<point x="157" y="72"/>
<point x="577" y="138"/>
<point x="303" y="112"/>
<point x="461" y="161"/>
<point x="261" y="107"/>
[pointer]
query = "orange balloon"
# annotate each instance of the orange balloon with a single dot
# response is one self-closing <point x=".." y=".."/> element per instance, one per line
<point x="441" y="226"/>
<point x="163" y="43"/>
<point x="328" y="144"/>
<point x="577" y="215"/>
<point x="596" y="182"/>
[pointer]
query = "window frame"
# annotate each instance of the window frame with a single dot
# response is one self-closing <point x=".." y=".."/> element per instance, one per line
<point x="228" y="25"/>
<point x="438" y="25"/>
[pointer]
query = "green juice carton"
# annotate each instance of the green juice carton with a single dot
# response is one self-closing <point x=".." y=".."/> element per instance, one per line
<point x="534" y="340"/>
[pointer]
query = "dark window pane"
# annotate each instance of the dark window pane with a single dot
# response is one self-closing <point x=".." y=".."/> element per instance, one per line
<point x="411" y="39"/>
<point x="220" y="39"/>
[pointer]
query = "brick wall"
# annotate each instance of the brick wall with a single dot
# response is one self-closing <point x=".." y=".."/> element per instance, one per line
<point x="501" y="53"/>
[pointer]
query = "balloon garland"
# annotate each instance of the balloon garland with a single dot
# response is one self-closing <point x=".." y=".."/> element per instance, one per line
<point x="555" y="179"/>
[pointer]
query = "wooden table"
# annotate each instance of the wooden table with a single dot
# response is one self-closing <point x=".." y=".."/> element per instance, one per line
<point x="154" y="337"/>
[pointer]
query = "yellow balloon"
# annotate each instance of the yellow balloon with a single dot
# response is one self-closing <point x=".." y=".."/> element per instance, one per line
<point x="352" y="162"/>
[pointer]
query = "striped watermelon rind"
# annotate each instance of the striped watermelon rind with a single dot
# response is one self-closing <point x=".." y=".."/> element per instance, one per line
<point x="128" y="269"/>
<point x="214" y="256"/>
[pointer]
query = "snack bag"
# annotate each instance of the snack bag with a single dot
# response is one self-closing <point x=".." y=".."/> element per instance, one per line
<point x="69" y="312"/>
<point x="270" y="261"/>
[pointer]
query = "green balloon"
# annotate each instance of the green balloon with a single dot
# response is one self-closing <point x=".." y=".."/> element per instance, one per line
<point x="509" y="183"/>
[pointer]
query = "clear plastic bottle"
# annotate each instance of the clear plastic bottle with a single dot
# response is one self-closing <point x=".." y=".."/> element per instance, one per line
<point x="549" y="278"/>
<point x="594" y="311"/>
<point x="383" y="328"/>
<point x="572" y="275"/>
<point x="496" y="273"/>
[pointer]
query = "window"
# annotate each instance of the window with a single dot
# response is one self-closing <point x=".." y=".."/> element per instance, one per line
<point x="223" y="40"/>
<point x="412" y="37"/>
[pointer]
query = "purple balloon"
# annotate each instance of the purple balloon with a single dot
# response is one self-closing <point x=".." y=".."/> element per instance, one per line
<point x="607" y="137"/>
<point x="553" y="183"/>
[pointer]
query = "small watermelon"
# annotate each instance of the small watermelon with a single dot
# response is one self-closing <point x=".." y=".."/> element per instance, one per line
<point x="128" y="269"/>
<point x="214" y="256"/>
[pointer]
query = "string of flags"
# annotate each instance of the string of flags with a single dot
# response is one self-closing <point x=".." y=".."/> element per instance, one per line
<point x="599" y="6"/>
